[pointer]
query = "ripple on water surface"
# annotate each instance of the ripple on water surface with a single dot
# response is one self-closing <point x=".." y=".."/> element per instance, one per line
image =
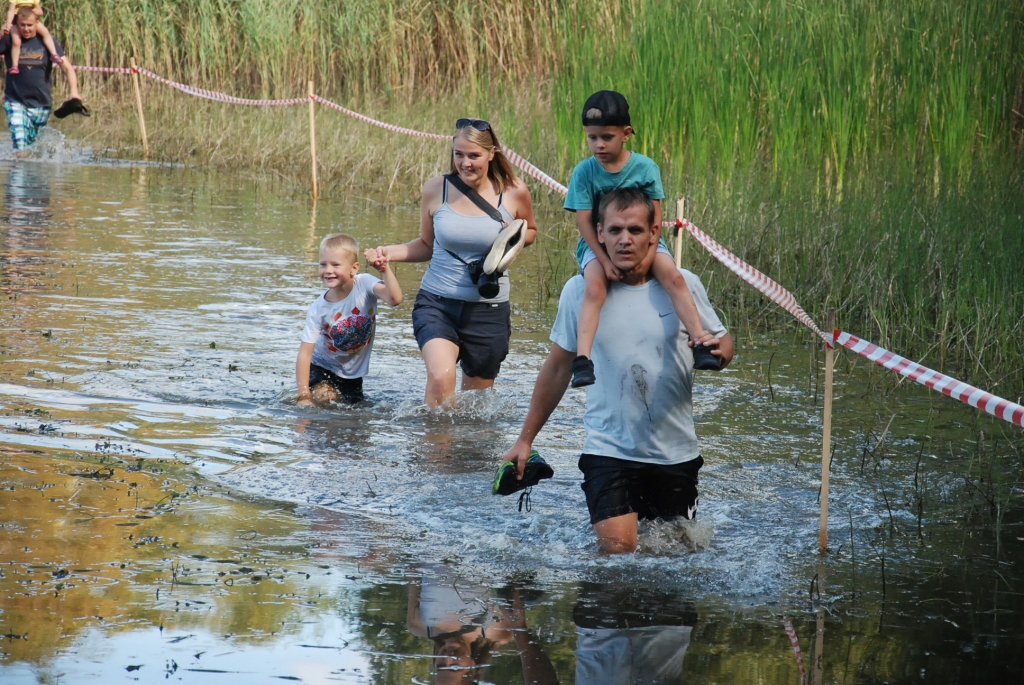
<point x="155" y="314"/>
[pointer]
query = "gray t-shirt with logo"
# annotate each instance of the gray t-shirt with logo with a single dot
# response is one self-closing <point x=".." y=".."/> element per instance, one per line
<point x="641" y="408"/>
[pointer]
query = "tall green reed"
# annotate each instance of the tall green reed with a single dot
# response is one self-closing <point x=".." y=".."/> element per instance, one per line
<point x="821" y="85"/>
<point x="862" y="153"/>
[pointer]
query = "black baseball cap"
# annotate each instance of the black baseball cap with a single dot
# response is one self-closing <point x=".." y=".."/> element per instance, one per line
<point x="606" y="108"/>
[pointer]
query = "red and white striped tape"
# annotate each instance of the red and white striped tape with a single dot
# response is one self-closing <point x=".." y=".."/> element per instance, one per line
<point x="105" y="70"/>
<point x="512" y="155"/>
<point x="380" y="124"/>
<point x="958" y="390"/>
<point x="530" y="169"/>
<point x="772" y="290"/>
<point x="796" y="650"/>
<point x="219" y="97"/>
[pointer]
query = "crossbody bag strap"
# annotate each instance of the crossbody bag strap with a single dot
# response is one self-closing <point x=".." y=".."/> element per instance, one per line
<point x="474" y="196"/>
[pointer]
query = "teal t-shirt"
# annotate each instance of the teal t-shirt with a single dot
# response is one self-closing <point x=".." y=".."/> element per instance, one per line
<point x="590" y="182"/>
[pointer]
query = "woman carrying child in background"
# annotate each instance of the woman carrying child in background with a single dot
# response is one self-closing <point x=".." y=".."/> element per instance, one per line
<point x="470" y="221"/>
<point x="41" y="31"/>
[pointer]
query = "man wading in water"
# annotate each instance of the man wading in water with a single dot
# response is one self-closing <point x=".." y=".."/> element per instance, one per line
<point x="641" y="457"/>
<point x="28" y="96"/>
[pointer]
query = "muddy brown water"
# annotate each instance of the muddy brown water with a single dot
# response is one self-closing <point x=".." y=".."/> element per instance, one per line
<point x="168" y="513"/>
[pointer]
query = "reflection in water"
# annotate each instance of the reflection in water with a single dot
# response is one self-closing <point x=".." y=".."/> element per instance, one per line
<point x="25" y="217"/>
<point x="154" y="314"/>
<point x="462" y="621"/>
<point x="631" y="635"/>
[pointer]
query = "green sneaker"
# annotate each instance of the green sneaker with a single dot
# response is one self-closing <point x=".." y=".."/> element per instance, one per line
<point x="536" y="470"/>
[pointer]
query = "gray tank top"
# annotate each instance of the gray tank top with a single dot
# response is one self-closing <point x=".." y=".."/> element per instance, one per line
<point x="470" y="237"/>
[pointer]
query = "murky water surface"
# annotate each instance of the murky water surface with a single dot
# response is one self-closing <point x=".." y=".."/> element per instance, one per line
<point x="168" y="513"/>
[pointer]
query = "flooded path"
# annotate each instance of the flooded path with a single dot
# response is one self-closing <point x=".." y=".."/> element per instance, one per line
<point x="169" y="513"/>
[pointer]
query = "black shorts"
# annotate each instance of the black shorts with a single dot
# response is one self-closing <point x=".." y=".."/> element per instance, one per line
<point x="482" y="330"/>
<point x="615" y="487"/>
<point x="350" y="389"/>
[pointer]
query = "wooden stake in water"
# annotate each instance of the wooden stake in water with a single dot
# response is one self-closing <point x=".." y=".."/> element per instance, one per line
<point x="138" y="107"/>
<point x="680" y="214"/>
<point x="826" y="437"/>
<point x="312" y="141"/>
<point x="818" y="646"/>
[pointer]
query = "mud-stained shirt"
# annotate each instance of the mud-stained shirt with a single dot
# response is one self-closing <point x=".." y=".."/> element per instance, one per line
<point x="640" y="408"/>
<point x="343" y="331"/>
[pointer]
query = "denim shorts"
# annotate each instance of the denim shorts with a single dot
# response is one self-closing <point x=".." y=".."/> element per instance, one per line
<point x="482" y="330"/>
<point x="615" y="487"/>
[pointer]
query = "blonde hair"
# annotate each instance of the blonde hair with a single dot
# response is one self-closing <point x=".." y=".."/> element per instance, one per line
<point x="500" y="170"/>
<point x="343" y="242"/>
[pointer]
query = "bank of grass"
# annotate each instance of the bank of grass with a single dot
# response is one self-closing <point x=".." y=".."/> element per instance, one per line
<point x="716" y="86"/>
<point x="864" y="154"/>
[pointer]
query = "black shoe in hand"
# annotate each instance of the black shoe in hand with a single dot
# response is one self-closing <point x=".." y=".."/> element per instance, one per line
<point x="703" y="360"/>
<point x="582" y="372"/>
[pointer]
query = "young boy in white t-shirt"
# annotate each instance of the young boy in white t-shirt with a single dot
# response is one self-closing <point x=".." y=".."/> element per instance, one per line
<point x="335" y="351"/>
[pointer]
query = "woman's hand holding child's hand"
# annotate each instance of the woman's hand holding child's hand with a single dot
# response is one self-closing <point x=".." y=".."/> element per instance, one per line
<point x="376" y="257"/>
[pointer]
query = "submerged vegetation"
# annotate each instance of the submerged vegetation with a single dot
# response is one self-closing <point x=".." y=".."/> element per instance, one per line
<point x="865" y="154"/>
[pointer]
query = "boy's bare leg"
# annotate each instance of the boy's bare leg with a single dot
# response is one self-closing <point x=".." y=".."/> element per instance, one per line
<point x="672" y="281"/>
<point x="594" y="295"/>
<point x="595" y="292"/>
<point x="324" y="393"/>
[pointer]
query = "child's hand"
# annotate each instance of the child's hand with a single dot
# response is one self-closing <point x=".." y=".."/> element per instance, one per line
<point x="5" y="30"/>
<point x="377" y="258"/>
<point x="611" y="272"/>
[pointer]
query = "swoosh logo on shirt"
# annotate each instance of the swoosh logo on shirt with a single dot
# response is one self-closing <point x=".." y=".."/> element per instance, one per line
<point x="665" y="314"/>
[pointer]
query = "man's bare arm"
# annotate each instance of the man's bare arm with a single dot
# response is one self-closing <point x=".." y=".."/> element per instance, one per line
<point x="552" y="381"/>
<point x="69" y="72"/>
<point x="722" y="348"/>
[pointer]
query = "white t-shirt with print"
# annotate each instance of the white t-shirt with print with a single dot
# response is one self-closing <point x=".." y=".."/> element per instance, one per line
<point x="343" y="331"/>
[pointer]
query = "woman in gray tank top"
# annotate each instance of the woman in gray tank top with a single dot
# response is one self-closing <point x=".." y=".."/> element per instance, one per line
<point x="453" y="323"/>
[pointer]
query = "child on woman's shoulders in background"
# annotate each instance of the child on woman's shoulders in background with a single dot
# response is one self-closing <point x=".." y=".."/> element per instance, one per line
<point x="336" y="343"/>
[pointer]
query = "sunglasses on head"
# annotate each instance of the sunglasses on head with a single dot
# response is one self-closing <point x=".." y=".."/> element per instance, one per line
<point x="478" y="124"/>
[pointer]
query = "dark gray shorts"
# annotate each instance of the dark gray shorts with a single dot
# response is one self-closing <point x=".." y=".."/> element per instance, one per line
<point x="351" y="389"/>
<point x="482" y="330"/>
<point x="615" y="487"/>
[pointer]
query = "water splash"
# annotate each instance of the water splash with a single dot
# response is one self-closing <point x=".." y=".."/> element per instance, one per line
<point x="52" y="147"/>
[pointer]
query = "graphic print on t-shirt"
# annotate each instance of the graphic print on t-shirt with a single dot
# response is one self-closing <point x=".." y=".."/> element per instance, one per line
<point x="349" y="334"/>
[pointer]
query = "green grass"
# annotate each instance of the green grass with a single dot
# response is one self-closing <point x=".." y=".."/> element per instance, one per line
<point x="864" y="154"/>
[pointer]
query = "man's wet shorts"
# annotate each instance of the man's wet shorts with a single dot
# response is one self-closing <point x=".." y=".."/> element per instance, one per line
<point x="482" y="330"/>
<point x="616" y="487"/>
<point x="25" y="122"/>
